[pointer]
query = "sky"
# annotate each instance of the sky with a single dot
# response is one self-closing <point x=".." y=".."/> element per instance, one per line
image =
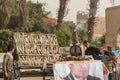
<point x="76" y="5"/>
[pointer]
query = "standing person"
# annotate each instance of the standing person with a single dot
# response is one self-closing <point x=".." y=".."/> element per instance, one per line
<point x="16" y="64"/>
<point x="105" y="58"/>
<point x="8" y="64"/>
<point x="111" y="64"/>
<point x="109" y="51"/>
<point x="90" y="50"/>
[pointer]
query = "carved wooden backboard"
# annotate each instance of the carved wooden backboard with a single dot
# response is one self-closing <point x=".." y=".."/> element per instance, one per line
<point x="35" y="49"/>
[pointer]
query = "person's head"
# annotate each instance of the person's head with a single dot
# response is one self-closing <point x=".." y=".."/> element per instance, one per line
<point x="10" y="48"/>
<point x="109" y="48"/>
<point x="86" y="44"/>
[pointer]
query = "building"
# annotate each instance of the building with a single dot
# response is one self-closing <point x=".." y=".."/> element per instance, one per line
<point x="113" y="26"/>
<point x="50" y="21"/>
<point x="82" y="17"/>
<point x="99" y="27"/>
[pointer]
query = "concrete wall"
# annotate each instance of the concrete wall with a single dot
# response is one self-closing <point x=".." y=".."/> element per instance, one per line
<point x="113" y="26"/>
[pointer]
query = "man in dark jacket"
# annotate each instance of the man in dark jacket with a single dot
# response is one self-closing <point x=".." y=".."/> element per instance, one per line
<point x="90" y="50"/>
<point x="16" y="64"/>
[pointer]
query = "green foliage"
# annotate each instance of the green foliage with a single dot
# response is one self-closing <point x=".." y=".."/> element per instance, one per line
<point x="5" y="39"/>
<point x="82" y="34"/>
<point x="34" y="20"/>
<point x="69" y="25"/>
<point x="37" y="10"/>
<point x="36" y="15"/>
<point x="6" y="8"/>
<point x="64" y="37"/>
<point x="14" y="18"/>
<point x="13" y="23"/>
<point x="102" y="39"/>
<point x="52" y="29"/>
<point x="38" y="26"/>
<point x="37" y="32"/>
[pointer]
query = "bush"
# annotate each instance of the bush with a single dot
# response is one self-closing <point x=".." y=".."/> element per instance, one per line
<point x="64" y="37"/>
<point x="102" y="39"/>
<point x="5" y="39"/>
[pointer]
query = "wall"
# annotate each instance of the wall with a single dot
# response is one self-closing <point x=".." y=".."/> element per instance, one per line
<point x="113" y="26"/>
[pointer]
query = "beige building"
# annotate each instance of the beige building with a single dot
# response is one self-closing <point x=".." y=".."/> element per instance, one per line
<point x="82" y="17"/>
<point x="99" y="27"/>
<point x="113" y="26"/>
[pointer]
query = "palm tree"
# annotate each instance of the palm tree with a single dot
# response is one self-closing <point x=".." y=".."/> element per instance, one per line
<point x="6" y="7"/>
<point x="91" y="21"/>
<point x="23" y="14"/>
<point x="61" y="12"/>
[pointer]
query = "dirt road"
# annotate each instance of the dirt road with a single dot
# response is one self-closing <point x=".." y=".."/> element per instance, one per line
<point x="34" y="78"/>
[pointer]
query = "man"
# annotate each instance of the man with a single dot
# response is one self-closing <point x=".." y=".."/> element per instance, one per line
<point x="111" y="64"/>
<point x="8" y="64"/>
<point x="16" y="63"/>
<point x="109" y="51"/>
<point x="91" y="50"/>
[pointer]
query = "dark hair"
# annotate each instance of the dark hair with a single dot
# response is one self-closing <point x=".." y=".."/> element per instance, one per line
<point x="85" y="42"/>
<point x="15" y="55"/>
<point x="10" y="47"/>
<point x="109" y="47"/>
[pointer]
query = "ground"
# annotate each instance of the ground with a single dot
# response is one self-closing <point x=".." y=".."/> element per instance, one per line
<point x="34" y="78"/>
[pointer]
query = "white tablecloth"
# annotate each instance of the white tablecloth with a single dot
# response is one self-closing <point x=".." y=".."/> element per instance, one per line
<point x="82" y="70"/>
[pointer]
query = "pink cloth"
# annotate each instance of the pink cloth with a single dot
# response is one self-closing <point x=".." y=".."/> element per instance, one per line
<point x="102" y="51"/>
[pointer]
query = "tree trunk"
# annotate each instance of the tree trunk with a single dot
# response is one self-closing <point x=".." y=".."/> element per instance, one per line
<point x="90" y="28"/>
<point x="23" y="15"/>
<point x="6" y="7"/>
<point x="91" y="21"/>
<point x="61" y="13"/>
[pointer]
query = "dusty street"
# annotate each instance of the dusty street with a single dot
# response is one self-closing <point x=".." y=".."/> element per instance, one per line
<point x="31" y="74"/>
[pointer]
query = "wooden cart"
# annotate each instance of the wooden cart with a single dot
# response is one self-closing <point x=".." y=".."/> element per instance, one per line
<point x="36" y="49"/>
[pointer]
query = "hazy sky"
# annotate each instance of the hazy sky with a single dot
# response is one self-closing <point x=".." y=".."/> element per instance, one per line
<point x="76" y="5"/>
